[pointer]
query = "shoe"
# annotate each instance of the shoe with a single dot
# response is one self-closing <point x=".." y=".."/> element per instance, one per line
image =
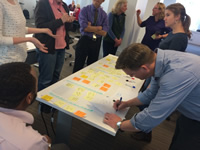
<point x="142" y="136"/>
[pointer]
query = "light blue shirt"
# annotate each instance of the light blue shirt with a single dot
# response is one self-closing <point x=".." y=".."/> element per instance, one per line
<point x="175" y="85"/>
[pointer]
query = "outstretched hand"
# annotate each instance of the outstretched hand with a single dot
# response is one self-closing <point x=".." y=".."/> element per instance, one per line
<point x="39" y="45"/>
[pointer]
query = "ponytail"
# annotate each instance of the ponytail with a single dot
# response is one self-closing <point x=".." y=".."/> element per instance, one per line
<point x="186" y="24"/>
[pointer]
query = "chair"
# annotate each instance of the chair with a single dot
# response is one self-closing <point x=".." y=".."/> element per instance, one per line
<point x="74" y="47"/>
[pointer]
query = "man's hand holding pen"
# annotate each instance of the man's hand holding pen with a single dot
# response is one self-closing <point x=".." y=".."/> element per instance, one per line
<point x="119" y="104"/>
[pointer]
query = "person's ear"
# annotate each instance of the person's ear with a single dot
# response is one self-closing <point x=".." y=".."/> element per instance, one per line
<point x="29" y="98"/>
<point x="145" y="68"/>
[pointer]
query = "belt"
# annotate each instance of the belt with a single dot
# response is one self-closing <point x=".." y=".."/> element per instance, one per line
<point x="91" y="38"/>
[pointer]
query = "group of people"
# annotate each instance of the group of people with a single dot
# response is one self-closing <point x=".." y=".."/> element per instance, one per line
<point x="175" y="81"/>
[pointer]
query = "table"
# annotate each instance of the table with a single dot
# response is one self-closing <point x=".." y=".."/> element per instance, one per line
<point x="88" y="94"/>
<point x="31" y="53"/>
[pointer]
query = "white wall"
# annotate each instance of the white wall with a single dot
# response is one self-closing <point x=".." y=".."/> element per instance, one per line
<point x="29" y="5"/>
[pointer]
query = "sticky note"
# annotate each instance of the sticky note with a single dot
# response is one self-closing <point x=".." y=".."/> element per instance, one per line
<point x="69" y="108"/>
<point x="80" y="89"/>
<point x="86" y="81"/>
<point x="47" y="97"/>
<point x="103" y="89"/>
<point x="84" y="76"/>
<point x="106" y="66"/>
<point x="70" y="85"/>
<point x="76" y="79"/>
<point x="80" y="113"/>
<point x="107" y="85"/>
<point x="77" y="93"/>
<point x="95" y="85"/>
<point x="59" y="103"/>
<point x="73" y="98"/>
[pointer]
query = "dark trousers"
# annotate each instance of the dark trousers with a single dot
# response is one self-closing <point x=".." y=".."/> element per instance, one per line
<point x="86" y="48"/>
<point x="187" y="135"/>
<point x="108" y="48"/>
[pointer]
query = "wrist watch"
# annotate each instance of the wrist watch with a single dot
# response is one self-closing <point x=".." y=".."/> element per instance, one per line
<point x="119" y="124"/>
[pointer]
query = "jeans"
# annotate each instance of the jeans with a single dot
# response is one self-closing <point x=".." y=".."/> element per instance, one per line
<point x="50" y="66"/>
<point x="108" y="48"/>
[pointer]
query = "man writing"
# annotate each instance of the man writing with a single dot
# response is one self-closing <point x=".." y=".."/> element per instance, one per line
<point x="93" y="25"/>
<point x="175" y="85"/>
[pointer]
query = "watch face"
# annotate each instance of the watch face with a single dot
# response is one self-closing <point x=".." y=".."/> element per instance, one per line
<point x="119" y="124"/>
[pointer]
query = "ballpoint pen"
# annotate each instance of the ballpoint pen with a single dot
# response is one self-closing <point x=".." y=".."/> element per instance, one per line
<point x="120" y="100"/>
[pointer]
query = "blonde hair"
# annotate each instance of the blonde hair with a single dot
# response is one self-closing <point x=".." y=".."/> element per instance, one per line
<point x="161" y="7"/>
<point x="78" y="5"/>
<point x="117" y="7"/>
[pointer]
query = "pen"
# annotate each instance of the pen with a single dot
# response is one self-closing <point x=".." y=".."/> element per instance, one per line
<point x="119" y="103"/>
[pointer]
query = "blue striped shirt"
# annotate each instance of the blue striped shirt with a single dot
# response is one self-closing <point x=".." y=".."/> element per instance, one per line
<point x="175" y="85"/>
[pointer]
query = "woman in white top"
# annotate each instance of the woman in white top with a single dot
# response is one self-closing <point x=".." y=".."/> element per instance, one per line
<point x="12" y="33"/>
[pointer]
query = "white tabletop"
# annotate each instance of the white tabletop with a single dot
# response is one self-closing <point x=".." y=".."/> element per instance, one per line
<point x="92" y="91"/>
<point x="30" y="46"/>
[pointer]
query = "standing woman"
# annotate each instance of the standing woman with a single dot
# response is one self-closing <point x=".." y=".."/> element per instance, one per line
<point x="115" y="34"/>
<point x="12" y="33"/>
<point x="155" y="26"/>
<point x="177" y="19"/>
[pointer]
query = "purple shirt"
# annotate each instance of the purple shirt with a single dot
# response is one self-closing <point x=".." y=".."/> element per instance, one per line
<point x="87" y="15"/>
<point x="153" y="27"/>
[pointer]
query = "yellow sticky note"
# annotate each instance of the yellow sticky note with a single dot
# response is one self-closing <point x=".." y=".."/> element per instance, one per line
<point x="80" y="89"/>
<point x="73" y="98"/>
<point x="69" y="108"/>
<point x="95" y="85"/>
<point x="70" y="85"/>
<point x="80" y="113"/>
<point x="77" y="93"/>
<point x="47" y="97"/>
<point x="84" y="76"/>
<point x="59" y="103"/>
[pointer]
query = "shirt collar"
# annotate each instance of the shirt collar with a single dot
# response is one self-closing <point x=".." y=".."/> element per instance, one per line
<point x="159" y="63"/>
<point x="53" y="2"/>
<point x="23" y="115"/>
<point x="94" y="8"/>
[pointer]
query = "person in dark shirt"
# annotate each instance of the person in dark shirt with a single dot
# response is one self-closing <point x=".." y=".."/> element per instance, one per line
<point x="155" y="26"/>
<point x="115" y="34"/>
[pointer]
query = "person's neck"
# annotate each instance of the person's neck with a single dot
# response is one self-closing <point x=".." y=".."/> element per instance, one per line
<point x="156" y="18"/>
<point x="96" y="6"/>
<point x="178" y="28"/>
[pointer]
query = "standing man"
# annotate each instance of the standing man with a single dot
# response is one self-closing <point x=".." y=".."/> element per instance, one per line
<point x="18" y="86"/>
<point x="93" y="25"/>
<point x="175" y="85"/>
<point x="52" y="14"/>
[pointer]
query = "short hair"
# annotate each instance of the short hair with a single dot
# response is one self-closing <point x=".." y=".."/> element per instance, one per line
<point x="134" y="56"/>
<point x="16" y="81"/>
<point x="161" y="7"/>
<point x="118" y="5"/>
<point x="179" y="9"/>
<point x="78" y="6"/>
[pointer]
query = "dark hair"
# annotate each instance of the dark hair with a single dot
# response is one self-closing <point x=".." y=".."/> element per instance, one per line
<point x="134" y="56"/>
<point x="179" y="9"/>
<point x="16" y="81"/>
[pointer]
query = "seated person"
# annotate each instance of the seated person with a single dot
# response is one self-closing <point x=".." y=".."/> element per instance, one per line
<point x="18" y="90"/>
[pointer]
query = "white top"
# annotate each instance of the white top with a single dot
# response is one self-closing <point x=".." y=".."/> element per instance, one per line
<point x="12" y="24"/>
<point x="15" y="135"/>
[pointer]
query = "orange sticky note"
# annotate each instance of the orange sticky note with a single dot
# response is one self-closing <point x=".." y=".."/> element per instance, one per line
<point x="103" y="89"/>
<point x="106" y="66"/>
<point x="80" y="113"/>
<point x="76" y="78"/>
<point x="86" y="81"/>
<point x="107" y="85"/>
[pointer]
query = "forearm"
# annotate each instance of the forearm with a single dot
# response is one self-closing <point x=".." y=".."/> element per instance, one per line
<point x="36" y="30"/>
<point x="18" y="40"/>
<point x="134" y="102"/>
<point x="101" y="32"/>
<point x="127" y="126"/>
<point x="139" y="21"/>
<point x="91" y="29"/>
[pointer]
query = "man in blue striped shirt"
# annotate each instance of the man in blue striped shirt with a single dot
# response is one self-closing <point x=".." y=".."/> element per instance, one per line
<point x="175" y="85"/>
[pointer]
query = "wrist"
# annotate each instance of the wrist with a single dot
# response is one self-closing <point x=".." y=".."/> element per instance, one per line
<point x="119" y="125"/>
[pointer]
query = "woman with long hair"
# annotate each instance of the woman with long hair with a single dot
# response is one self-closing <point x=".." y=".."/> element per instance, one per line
<point x="115" y="34"/>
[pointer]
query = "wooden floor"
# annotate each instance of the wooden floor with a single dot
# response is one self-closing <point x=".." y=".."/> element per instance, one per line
<point x="85" y="137"/>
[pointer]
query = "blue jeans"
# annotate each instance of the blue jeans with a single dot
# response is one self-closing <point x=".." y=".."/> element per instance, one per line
<point x="50" y="66"/>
